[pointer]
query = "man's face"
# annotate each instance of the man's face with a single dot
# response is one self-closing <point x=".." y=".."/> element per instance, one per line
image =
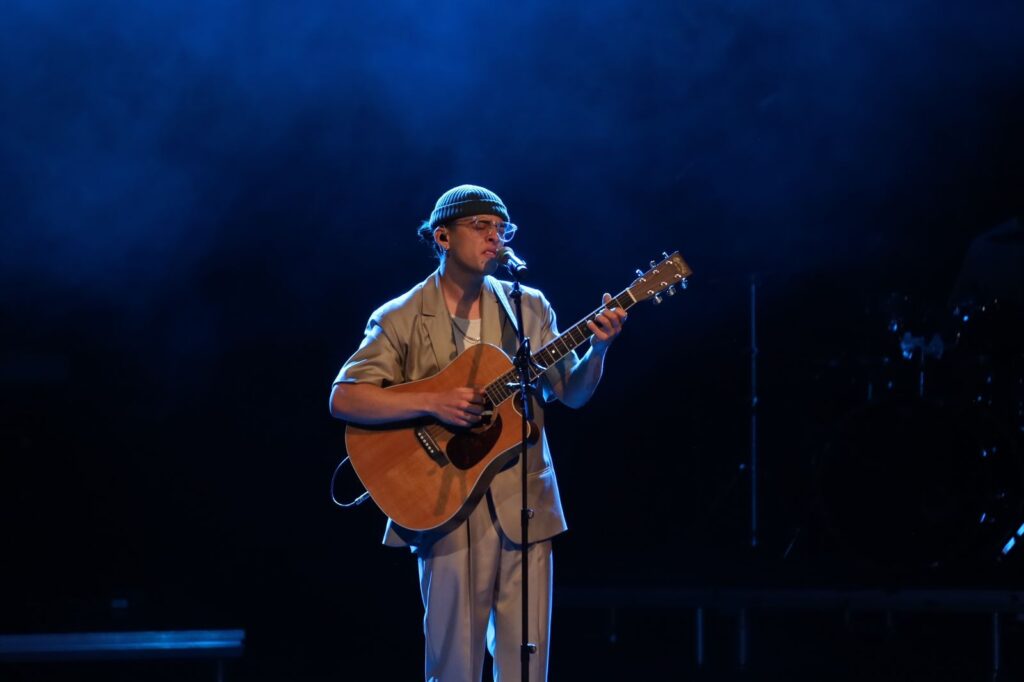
<point x="473" y="244"/>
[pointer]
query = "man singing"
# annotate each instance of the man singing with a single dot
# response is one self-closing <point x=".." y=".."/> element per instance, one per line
<point x="470" y="576"/>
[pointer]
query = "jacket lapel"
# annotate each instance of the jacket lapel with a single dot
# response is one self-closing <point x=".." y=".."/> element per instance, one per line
<point x="437" y="323"/>
<point x="502" y="324"/>
<point x="499" y="293"/>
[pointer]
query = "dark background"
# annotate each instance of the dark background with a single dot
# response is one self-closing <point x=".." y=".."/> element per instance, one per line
<point x="203" y="202"/>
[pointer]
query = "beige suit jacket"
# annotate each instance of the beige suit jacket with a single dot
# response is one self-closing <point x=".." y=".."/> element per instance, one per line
<point x="412" y="337"/>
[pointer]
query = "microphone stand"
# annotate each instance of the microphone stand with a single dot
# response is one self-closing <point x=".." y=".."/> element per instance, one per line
<point x="523" y="362"/>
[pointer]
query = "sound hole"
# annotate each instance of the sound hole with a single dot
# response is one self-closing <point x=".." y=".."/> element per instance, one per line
<point x="467" y="448"/>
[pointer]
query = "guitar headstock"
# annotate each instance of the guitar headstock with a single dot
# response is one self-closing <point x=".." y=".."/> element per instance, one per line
<point x="662" y="277"/>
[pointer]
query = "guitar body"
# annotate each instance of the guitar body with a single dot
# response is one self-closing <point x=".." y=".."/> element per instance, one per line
<point x="426" y="475"/>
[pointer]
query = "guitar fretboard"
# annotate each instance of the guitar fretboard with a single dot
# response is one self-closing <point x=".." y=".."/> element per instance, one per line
<point x="498" y="391"/>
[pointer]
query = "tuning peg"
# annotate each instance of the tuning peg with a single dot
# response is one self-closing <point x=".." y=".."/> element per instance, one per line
<point x="671" y="291"/>
<point x="665" y="254"/>
<point x="639" y="272"/>
<point x="658" y="299"/>
<point x="653" y="264"/>
<point x="683" y="284"/>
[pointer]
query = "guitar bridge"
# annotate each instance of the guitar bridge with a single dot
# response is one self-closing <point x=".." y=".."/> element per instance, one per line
<point x="428" y="443"/>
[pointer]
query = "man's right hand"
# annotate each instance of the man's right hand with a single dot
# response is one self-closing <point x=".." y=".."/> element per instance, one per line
<point x="458" y="407"/>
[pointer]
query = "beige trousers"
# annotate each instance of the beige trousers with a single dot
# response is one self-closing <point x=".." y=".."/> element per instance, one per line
<point x="470" y="584"/>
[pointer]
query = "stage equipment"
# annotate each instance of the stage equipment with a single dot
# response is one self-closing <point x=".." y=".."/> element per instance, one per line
<point x="927" y="472"/>
<point x="753" y="411"/>
<point x="218" y="645"/>
<point x="513" y="263"/>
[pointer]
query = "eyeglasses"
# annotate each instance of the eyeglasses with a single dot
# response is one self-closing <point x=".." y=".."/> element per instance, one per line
<point x="484" y="227"/>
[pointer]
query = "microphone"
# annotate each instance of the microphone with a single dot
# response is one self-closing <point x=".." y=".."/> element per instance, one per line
<point x="510" y="260"/>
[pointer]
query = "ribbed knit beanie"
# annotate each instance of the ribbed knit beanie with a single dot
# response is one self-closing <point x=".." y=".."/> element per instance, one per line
<point x="467" y="200"/>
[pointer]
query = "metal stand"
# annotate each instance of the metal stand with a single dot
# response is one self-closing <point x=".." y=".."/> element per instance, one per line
<point x="753" y="411"/>
<point x="524" y="363"/>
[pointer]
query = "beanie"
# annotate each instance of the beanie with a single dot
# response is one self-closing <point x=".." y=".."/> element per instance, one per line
<point x="467" y="200"/>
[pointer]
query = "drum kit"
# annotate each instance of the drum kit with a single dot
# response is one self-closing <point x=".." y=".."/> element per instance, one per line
<point x="926" y="470"/>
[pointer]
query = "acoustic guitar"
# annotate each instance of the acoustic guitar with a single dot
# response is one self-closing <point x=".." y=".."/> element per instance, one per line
<point x="426" y="475"/>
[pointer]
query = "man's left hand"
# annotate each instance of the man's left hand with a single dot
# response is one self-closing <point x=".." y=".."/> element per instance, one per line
<point x="608" y="326"/>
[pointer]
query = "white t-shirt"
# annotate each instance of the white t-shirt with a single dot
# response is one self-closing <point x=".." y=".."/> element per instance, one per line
<point x="467" y="332"/>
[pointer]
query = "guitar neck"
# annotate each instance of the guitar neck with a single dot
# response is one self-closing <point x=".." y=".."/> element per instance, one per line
<point x="555" y="350"/>
<point x="575" y="336"/>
